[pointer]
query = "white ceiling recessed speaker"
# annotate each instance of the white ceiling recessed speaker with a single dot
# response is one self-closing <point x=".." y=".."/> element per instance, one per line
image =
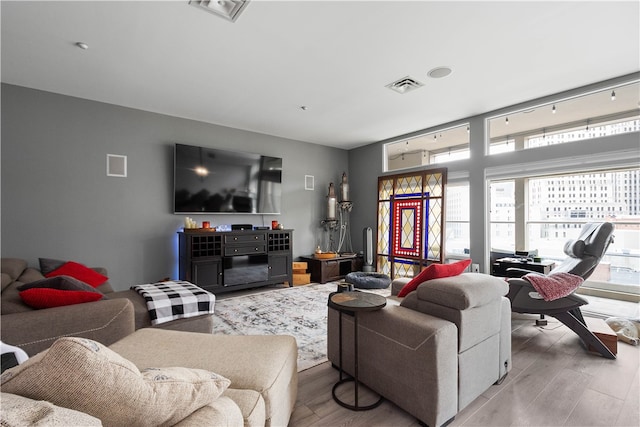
<point x="116" y="165"/>
<point x="439" y="72"/>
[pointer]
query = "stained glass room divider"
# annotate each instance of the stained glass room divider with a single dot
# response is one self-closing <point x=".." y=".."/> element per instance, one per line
<point x="410" y="231"/>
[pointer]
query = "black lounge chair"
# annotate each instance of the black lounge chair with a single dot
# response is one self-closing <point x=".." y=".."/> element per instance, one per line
<point x="583" y="256"/>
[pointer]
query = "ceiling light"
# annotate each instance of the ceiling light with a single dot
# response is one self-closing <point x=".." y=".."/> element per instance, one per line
<point x="304" y="107"/>
<point x="553" y="110"/>
<point x="506" y="120"/>
<point x="82" y="45"/>
<point x="613" y="95"/>
<point x="439" y="72"/>
<point x="404" y="85"/>
<point x="228" y="9"/>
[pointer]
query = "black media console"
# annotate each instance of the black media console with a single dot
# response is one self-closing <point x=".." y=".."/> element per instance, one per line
<point x="224" y="261"/>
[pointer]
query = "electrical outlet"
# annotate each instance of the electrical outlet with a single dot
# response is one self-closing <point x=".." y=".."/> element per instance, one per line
<point x="475" y="268"/>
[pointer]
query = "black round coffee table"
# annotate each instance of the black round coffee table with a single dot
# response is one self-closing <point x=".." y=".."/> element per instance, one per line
<point x="352" y="303"/>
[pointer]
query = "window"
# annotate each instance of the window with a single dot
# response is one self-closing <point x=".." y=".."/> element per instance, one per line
<point x="557" y="207"/>
<point x="440" y="146"/>
<point x="601" y="196"/>
<point x="502" y="215"/>
<point x="458" y="240"/>
<point x="606" y="112"/>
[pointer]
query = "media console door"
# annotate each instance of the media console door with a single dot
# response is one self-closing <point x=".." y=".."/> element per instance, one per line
<point x="232" y="260"/>
<point x="208" y="274"/>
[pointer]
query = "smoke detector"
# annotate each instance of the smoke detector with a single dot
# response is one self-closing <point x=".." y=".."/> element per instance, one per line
<point x="404" y="85"/>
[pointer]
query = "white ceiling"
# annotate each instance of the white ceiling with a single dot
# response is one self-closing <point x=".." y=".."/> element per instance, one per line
<point x="334" y="57"/>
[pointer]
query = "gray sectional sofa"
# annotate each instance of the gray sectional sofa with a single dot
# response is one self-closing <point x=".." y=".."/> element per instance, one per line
<point x="105" y="321"/>
<point x="434" y="351"/>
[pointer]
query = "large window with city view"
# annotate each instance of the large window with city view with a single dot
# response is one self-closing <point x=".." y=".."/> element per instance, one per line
<point x="441" y="146"/>
<point x="601" y="113"/>
<point x="556" y="209"/>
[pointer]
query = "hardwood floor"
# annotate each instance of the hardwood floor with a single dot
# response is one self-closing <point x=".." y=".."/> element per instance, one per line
<point x="554" y="382"/>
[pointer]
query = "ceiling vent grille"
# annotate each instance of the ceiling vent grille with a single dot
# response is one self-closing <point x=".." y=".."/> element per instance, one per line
<point x="228" y="9"/>
<point x="404" y="85"/>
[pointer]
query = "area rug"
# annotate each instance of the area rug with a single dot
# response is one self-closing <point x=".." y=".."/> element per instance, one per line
<point x="300" y="311"/>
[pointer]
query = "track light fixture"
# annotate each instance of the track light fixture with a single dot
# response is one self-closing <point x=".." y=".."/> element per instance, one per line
<point x="553" y="110"/>
<point x="506" y="120"/>
<point x="613" y="95"/>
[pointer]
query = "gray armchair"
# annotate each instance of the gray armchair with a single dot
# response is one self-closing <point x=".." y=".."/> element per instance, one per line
<point x="583" y="256"/>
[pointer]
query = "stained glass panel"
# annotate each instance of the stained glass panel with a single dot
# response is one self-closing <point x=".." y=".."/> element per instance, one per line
<point x="433" y="184"/>
<point x="405" y="268"/>
<point x="384" y="266"/>
<point x="434" y="229"/>
<point x="408" y="186"/>
<point x="385" y="189"/>
<point x="410" y="222"/>
<point x="384" y="222"/>
<point x="407" y="226"/>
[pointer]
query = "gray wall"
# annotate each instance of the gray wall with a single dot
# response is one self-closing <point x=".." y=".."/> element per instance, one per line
<point x="365" y="165"/>
<point x="57" y="201"/>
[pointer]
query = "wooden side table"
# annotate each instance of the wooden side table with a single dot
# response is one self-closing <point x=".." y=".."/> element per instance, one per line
<point x="330" y="269"/>
<point x="354" y="303"/>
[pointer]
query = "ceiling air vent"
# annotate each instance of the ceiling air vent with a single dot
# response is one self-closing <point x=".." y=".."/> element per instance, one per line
<point x="228" y="9"/>
<point x="404" y="85"/>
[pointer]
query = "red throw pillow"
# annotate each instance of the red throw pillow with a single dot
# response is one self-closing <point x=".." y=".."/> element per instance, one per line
<point x="80" y="272"/>
<point x="48" y="297"/>
<point x="435" y="271"/>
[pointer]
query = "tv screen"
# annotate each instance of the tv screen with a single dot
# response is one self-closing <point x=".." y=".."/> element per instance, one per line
<point x="208" y="180"/>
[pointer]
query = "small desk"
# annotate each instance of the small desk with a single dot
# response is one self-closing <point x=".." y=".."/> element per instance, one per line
<point x="353" y="303"/>
<point x="499" y="268"/>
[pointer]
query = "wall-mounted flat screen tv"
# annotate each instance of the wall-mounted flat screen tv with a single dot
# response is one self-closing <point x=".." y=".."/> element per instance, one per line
<point x="208" y="180"/>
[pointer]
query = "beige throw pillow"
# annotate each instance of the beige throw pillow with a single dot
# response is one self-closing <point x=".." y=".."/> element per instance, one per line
<point x="18" y="411"/>
<point x="86" y="376"/>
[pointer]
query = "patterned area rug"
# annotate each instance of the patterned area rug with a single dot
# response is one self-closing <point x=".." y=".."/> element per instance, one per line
<point x="300" y="311"/>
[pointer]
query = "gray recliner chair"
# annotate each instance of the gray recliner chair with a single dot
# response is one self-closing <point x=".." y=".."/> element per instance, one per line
<point x="583" y="256"/>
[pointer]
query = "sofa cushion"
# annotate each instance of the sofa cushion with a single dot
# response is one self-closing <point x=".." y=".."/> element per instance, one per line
<point x="265" y="363"/>
<point x="57" y="291"/>
<point x="6" y="280"/>
<point x="464" y="291"/>
<point x="63" y="283"/>
<point x="47" y="265"/>
<point x="222" y="413"/>
<point x="48" y="298"/>
<point x="21" y="411"/>
<point x="13" y="267"/>
<point x="80" y="272"/>
<point x="434" y="271"/>
<point x="86" y="376"/>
